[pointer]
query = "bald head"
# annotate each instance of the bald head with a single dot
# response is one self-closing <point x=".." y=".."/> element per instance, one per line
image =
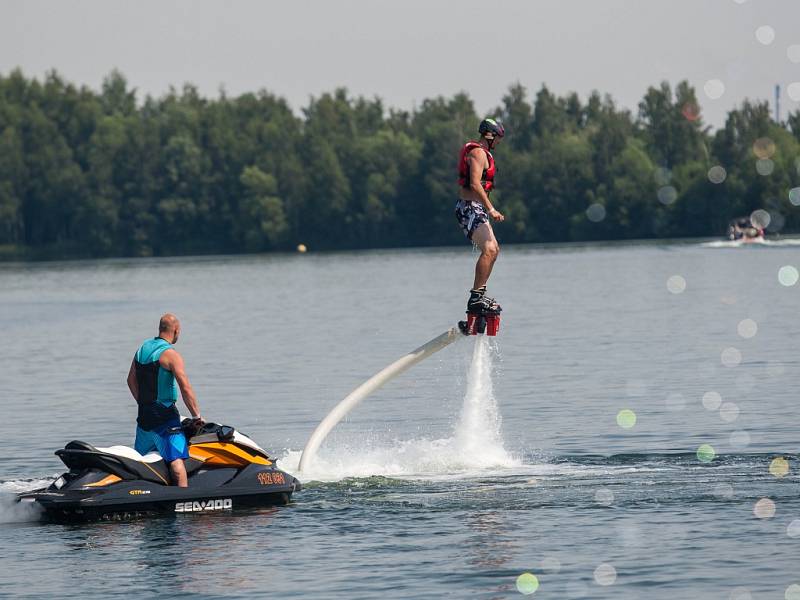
<point x="169" y="327"/>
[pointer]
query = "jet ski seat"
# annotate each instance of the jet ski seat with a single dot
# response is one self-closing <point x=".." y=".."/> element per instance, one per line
<point x="121" y="461"/>
<point x="128" y="452"/>
<point x="152" y="459"/>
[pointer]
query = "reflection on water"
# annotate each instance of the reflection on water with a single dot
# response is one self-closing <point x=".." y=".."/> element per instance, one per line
<point x="488" y="544"/>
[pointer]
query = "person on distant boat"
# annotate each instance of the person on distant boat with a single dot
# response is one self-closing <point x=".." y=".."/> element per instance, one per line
<point x="156" y="372"/>
<point x="735" y="229"/>
<point x="743" y="229"/>
<point x="476" y="171"/>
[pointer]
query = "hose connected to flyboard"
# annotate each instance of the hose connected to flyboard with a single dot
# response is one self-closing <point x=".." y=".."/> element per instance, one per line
<point x="365" y="389"/>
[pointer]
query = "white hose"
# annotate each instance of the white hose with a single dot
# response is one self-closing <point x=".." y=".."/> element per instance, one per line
<point x="365" y="389"/>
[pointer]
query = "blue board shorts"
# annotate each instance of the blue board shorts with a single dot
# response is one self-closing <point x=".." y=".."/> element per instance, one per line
<point x="470" y="216"/>
<point x="168" y="441"/>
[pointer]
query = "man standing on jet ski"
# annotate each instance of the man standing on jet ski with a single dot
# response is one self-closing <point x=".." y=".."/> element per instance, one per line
<point x="476" y="170"/>
<point x="156" y="373"/>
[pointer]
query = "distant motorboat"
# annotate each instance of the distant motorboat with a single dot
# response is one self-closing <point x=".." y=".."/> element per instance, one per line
<point x="746" y="230"/>
<point x="758" y="239"/>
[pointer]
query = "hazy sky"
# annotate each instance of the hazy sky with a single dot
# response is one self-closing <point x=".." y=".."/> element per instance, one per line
<point x="407" y="51"/>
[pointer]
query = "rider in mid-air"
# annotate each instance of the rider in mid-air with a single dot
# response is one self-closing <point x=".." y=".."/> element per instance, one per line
<point x="476" y="170"/>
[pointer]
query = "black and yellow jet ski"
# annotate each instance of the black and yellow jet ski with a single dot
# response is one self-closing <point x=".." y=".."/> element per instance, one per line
<point x="225" y="468"/>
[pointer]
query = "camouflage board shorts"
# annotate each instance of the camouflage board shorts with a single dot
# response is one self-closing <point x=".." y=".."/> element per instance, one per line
<point x="470" y="215"/>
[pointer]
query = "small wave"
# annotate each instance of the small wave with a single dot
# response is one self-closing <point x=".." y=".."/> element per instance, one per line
<point x="444" y="460"/>
<point x="12" y="511"/>
<point x="18" y="486"/>
<point x="410" y="459"/>
<point x="740" y="244"/>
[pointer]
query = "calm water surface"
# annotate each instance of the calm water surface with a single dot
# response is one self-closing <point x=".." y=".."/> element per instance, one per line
<point x="408" y="498"/>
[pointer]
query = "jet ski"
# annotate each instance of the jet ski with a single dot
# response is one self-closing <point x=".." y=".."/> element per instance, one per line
<point x="225" y="468"/>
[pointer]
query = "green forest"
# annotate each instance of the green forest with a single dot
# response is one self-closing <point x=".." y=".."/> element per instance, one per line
<point x="94" y="173"/>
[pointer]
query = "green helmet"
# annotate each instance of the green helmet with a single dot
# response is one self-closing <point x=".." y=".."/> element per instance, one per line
<point x="493" y="126"/>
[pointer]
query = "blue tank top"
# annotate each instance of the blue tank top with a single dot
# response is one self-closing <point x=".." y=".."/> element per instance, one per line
<point x="158" y="389"/>
<point x="150" y="351"/>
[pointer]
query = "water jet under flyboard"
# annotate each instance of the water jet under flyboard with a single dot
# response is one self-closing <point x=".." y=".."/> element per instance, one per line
<point x="475" y="324"/>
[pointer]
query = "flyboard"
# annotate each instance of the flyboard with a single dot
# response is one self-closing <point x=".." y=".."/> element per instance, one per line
<point x="478" y="323"/>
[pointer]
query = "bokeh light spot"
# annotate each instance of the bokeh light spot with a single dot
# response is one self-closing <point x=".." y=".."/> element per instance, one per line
<point x="714" y="89"/>
<point x="550" y="563"/>
<point x="667" y="195"/>
<point x="747" y="328"/>
<point x="604" y="496"/>
<point x="741" y="593"/>
<point x="729" y="412"/>
<point x="705" y="453"/>
<point x="775" y="369"/>
<point x="740" y="439"/>
<point x="675" y="402"/>
<point x="765" y="166"/>
<point x="792" y="592"/>
<point x="793" y="53"/>
<point x="760" y="218"/>
<point x="527" y="583"/>
<point x="779" y="467"/>
<point x="731" y="357"/>
<point x="626" y="418"/>
<point x="793" y="530"/>
<point x="763" y="148"/>
<point x="691" y="111"/>
<point x="777" y="221"/>
<point x="717" y="174"/>
<point x="765" y="35"/>
<point x="764" y="509"/>
<point x="794" y="91"/>
<point x="662" y="175"/>
<point x="788" y="275"/>
<point x="676" y="284"/>
<point x="712" y="400"/>
<point x="596" y="212"/>
<point x="723" y="490"/>
<point x="636" y="387"/>
<point x="605" y="574"/>
<point x="794" y="196"/>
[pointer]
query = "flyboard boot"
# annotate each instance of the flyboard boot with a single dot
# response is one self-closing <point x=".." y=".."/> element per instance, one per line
<point x="483" y="314"/>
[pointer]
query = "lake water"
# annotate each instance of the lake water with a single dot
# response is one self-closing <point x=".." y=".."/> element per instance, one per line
<point x="462" y="474"/>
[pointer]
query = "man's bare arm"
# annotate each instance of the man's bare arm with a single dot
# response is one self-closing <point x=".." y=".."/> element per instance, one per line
<point x="133" y="385"/>
<point x="477" y="164"/>
<point x="172" y="361"/>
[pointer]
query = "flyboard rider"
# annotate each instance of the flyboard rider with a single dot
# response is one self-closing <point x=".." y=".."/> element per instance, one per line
<point x="476" y="171"/>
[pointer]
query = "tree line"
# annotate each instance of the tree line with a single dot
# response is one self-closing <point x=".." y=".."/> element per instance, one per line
<point x="106" y="173"/>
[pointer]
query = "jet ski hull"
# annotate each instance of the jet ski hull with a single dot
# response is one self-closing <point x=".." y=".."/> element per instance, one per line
<point x="226" y="470"/>
<point x="134" y="499"/>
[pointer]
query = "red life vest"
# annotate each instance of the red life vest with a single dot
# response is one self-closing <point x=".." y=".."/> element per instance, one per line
<point x="487" y="179"/>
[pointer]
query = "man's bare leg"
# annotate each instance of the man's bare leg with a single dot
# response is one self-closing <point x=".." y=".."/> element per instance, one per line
<point x="178" y="470"/>
<point x="483" y="238"/>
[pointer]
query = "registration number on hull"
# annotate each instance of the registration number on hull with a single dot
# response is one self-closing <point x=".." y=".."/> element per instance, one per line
<point x="201" y="505"/>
